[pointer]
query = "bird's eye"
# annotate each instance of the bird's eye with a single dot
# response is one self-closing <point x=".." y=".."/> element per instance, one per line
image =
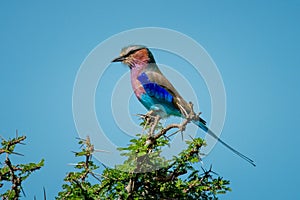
<point x="132" y="52"/>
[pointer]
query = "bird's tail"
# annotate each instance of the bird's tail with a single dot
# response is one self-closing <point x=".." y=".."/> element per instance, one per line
<point x="201" y="124"/>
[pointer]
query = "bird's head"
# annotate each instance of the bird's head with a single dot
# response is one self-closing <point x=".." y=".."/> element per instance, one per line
<point x="135" y="55"/>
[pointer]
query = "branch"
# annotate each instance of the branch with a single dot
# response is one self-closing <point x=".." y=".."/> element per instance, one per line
<point x="16" y="181"/>
<point x="181" y="127"/>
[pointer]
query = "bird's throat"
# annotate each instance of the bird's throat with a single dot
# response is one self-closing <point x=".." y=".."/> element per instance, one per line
<point x="135" y="83"/>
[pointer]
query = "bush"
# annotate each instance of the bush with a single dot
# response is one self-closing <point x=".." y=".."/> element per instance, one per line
<point x="145" y="174"/>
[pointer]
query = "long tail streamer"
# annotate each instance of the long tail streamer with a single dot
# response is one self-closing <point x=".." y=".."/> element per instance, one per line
<point x="207" y="130"/>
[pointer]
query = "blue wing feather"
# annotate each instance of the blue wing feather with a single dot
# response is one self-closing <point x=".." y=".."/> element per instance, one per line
<point x="155" y="90"/>
<point x="157" y="95"/>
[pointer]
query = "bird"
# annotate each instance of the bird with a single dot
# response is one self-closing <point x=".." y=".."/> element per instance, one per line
<point x="156" y="92"/>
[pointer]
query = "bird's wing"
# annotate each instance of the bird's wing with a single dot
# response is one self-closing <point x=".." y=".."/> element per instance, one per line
<point x="157" y="86"/>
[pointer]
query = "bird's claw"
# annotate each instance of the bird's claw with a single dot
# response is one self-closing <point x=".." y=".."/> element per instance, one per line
<point x="151" y="119"/>
<point x="154" y="124"/>
<point x="182" y="127"/>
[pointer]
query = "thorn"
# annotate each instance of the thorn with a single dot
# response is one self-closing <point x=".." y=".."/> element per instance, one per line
<point x="191" y="137"/>
<point x="23" y="191"/>
<point x="78" y="138"/>
<point x="44" y="193"/>
<point x="19" y="154"/>
<point x="99" y="150"/>
<point x="75" y="164"/>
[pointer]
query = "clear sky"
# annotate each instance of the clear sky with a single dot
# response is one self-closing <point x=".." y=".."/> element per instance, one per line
<point x="254" y="44"/>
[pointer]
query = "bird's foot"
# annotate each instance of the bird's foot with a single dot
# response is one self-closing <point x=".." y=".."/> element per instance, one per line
<point x="183" y="125"/>
<point x="151" y="120"/>
<point x="192" y="115"/>
<point x="153" y="125"/>
<point x="148" y="118"/>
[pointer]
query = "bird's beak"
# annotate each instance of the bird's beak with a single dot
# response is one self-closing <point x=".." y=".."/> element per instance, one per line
<point x="118" y="59"/>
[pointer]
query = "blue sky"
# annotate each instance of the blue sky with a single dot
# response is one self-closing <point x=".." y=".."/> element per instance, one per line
<point x="254" y="44"/>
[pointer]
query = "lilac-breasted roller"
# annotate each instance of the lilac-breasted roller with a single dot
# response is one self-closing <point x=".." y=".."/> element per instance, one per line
<point x="156" y="93"/>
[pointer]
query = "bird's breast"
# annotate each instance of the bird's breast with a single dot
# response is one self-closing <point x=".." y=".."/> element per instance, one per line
<point x="137" y="86"/>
